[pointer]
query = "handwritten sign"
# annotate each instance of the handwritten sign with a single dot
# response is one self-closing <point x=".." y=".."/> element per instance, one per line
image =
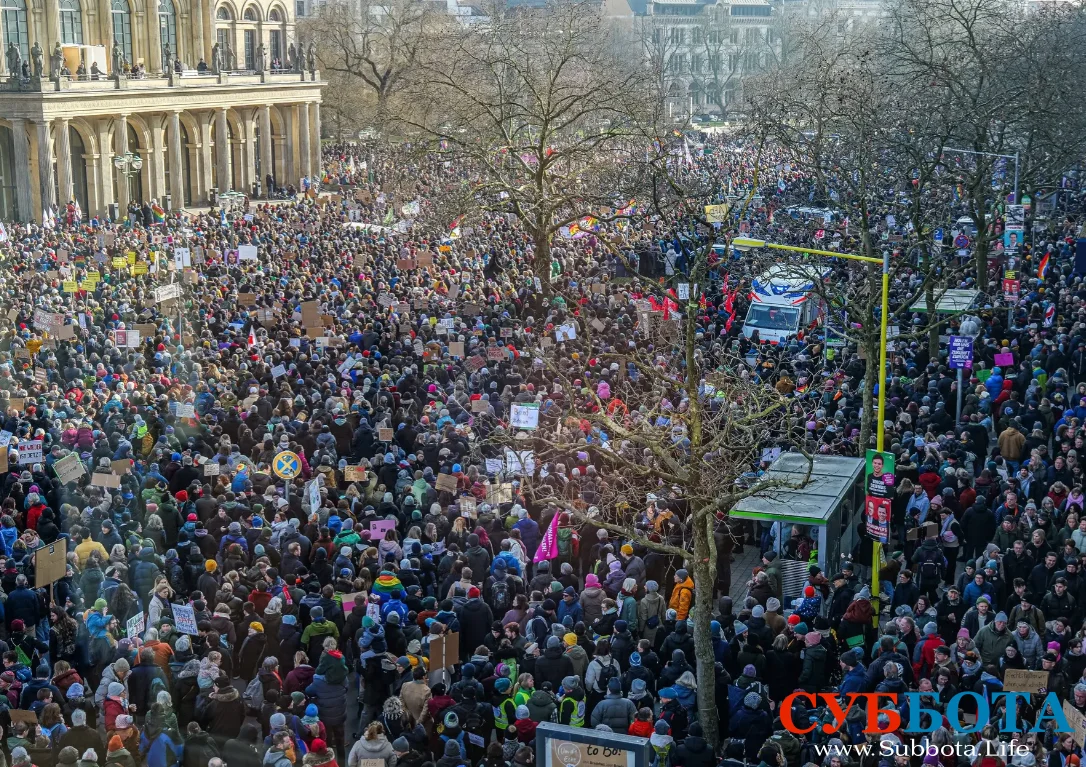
<point x="1020" y="680"/>
<point x="446" y="482"/>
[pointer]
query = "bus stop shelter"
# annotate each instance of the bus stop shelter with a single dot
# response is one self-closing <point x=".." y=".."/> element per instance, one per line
<point x="828" y="506"/>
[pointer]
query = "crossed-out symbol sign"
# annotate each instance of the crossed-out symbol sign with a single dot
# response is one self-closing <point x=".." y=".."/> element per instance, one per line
<point x="286" y="465"/>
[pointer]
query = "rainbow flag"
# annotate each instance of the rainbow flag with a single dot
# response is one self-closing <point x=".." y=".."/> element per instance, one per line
<point x="1042" y="268"/>
<point x="158" y="213"/>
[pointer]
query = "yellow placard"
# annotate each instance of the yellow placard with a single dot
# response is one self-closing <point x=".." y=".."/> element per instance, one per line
<point x="33" y="346"/>
<point x="120" y="262"/>
<point x="139" y="268"/>
<point x="131" y="257"/>
<point x="70" y="286"/>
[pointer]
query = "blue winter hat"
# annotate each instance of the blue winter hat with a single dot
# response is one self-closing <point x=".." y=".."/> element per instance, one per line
<point x="290" y="620"/>
<point x="669" y="692"/>
<point x="714" y="628"/>
<point x="311" y="710"/>
<point x="635" y="659"/>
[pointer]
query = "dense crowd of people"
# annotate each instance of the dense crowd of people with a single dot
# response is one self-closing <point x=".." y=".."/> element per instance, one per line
<point x="384" y="594"/>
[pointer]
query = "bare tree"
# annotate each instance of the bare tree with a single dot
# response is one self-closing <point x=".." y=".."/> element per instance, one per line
<point x="375" y="43"/>
<point x="537" y="107"/>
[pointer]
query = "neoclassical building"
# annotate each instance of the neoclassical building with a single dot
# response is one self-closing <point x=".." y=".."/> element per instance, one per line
<point x="78" y="137"/>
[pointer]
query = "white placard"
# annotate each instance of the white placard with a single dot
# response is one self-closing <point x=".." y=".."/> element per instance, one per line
<point x="30" y="452"/>
<point x="566" y="332"/>
<point x="166" y="292"/>
<point x="684" y="291"/>
<point x="493" y="465"/>
<point x="519" y="461"/>
<point x="184" y="617"/>
<point x="186" y="410"/>
<point x="247" y="253"/>
<point x="524" y="415"/>
<point x="279" y="371"/>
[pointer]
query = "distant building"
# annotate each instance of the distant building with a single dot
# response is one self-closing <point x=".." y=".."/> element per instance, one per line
<point x="77" y="135"/>
<point x="705" y="48"/>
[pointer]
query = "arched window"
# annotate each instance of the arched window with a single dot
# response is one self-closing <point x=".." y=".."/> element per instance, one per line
<point x="167" y="27"/>
<point x="122" y="26"/>
<point x="223" y="32"/>
<point x="71" y="22"/>
<point x="14" y="17"/>
<point x="250" y="14"/>
<point x="275" y="36"/>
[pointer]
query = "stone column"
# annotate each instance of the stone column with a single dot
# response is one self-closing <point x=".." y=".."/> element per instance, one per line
<point x="120" y="141"/>
<point x="305" y="157"/>
<point x="64" y="162"/>
<point x="266" y="147"/>
<point x="105" y="167"/>
<point x="248" y="151"/>
<point x="21" y="163"/>
<point x="222" y="150"/>
<point x="45" y="167"/>
<point x="206" y="175"/>
<point x="177" y="176"/>
<point x="315" y="133"/>
<point x="154" y="37"/>
<point x="158" y="159"/>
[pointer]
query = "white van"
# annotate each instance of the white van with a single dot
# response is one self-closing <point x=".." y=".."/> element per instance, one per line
<point x="782" y="301"/>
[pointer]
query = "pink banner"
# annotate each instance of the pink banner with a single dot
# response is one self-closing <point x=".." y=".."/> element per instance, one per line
<point x="1005" y="358"/>
<point x="548" y="547"/>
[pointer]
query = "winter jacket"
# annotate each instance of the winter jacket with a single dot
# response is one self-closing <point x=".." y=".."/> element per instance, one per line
<point x="682" y="598"/>
<point x="991" y="643"/>
<point x="378" y="748"/>
<point x="541" y="706"/>
<point x="615" y="711"/>
<point x="1030" y="647"/>
<point x="331" y="700"/>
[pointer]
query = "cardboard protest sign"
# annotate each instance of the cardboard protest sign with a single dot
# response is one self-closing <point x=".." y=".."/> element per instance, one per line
<point x="105" y="480"/>
<point x="1021" y="680"/>
<point x="446" y="482"/>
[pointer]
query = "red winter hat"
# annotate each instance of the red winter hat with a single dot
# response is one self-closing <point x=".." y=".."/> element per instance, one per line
<point x="182" y="495"/>
<point x="191" y="518"/>
<point x="808" y="592"/>
<point x="473" y="592"/>
<point x="793" y="619"/>
<point x="318" y="745"/>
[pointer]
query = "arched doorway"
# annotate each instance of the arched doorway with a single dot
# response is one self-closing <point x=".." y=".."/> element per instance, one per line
<point x="78" y="164"/>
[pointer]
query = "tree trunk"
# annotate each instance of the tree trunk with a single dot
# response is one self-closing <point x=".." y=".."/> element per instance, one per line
<point x="704" y="574"/>
<point x="541" y="260"/>
<point x="933" y="323"/>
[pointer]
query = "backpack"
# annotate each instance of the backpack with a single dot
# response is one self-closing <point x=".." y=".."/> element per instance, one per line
<point x="254" y="694"/>
<point x="930" y="568"/>
<point x="607" y="673"/>
<point x="500" y="597"/>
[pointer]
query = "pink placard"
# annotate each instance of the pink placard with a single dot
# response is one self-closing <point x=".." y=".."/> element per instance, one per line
<point x="1004" y="358"/>
<point x="379" y="527"/>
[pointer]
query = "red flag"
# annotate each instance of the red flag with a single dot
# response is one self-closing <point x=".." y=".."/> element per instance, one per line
<point x="252" y="338"/>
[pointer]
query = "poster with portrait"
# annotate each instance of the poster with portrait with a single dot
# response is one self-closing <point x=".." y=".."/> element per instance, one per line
<point x="879" y="489"/>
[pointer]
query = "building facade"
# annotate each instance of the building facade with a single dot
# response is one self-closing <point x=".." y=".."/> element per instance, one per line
<point x="706" y="47"/>
<point x="87" y="87"/>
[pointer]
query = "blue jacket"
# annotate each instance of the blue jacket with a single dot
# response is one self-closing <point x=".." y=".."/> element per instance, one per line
<point x="572" y="609"/>
<point x="331" y="700"/>
<point x="529" y="533"/>
<point x="160" y="752"/>
<point x="23" y="604"/>
<point x="854" y="680"/>
<point x="8" y="536"/>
